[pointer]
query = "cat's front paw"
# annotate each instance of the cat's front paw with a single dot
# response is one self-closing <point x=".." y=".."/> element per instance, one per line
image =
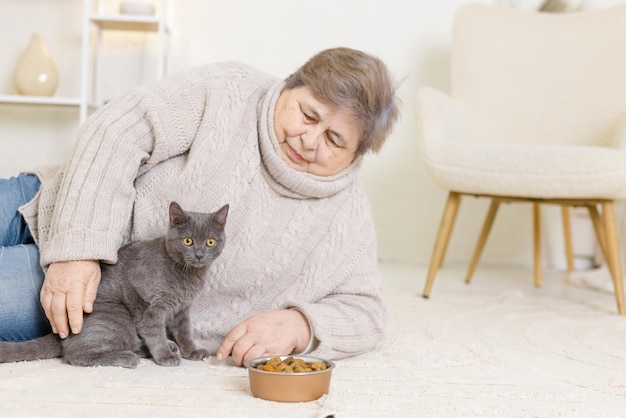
<point x="173" y="346"/>
<point x="197" y="354"/>
<point x="171" y="360"/>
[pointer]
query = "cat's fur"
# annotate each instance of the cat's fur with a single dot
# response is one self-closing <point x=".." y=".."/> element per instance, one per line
<point x="143" y="300"/>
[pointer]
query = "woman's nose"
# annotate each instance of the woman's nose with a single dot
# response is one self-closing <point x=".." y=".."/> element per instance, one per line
<point x="311" y="137"/>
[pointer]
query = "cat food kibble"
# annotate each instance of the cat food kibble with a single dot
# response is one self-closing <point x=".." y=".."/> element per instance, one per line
<point x="291" y="365"/>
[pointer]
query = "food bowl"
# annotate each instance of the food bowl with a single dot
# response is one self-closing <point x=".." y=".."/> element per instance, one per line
<point x="289" y="387"/>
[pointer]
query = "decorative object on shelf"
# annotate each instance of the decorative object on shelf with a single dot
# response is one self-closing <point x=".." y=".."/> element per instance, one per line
<point x="35" y="73"/>
<point x="137" y="8"/>
<point x="553" y="6"/>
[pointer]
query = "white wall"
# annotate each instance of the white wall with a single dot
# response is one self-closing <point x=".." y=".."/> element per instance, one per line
<point x="412" y="37"/>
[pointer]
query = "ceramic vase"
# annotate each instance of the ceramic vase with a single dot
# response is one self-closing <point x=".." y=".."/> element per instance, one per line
<point x="36" y="74"/>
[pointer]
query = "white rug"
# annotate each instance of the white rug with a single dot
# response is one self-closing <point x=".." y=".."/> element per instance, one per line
<point x="496" y="348"/>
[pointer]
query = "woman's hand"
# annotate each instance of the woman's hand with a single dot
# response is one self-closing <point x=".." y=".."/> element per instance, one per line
<point x="69" y="289"/>
<point x="270" y="333"/>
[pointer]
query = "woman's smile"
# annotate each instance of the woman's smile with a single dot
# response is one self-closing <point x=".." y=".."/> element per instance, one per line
<point x="293" y="154"/>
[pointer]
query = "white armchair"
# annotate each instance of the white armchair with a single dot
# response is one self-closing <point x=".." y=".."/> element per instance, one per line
<point x="535" y="114"/>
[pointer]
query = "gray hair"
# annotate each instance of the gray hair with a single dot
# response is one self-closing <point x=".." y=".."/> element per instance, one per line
<point x="356" y="81"/>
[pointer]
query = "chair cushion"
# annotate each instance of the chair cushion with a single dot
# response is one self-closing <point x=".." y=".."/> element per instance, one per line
<point x="460" y="162"/>
<point x="555" y="171"/>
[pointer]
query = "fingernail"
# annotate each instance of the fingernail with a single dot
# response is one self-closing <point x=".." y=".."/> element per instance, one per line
<point x="89" y="305"/>
<point x="219" y="356"/>
<point x="62" y="335"/>
<point x="75" y="331"/>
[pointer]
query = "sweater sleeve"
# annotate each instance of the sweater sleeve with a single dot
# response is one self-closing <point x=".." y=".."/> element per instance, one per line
<point x="349" y="319"/>
<point x="120" y="141"/>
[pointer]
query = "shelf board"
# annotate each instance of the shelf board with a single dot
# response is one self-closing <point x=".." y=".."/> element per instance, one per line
<point x="39" y="100"/>
<point x="126" y="22"/>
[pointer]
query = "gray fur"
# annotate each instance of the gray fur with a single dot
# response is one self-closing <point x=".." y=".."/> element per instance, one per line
<point x="143" y="300"/>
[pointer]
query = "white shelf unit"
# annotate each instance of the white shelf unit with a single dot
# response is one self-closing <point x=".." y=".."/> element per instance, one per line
<point x="91" y="69"/>
<point x="40" y="100"/>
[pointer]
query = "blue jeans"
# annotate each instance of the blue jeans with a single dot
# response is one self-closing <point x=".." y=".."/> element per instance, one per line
<point x="21" y="276"/>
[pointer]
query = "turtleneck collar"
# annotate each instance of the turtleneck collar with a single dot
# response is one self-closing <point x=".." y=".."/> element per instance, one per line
<point x="285" y="180"/>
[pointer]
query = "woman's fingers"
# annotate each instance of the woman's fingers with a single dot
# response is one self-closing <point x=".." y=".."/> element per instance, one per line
<point x="265" y="334"/>
<point x="69" y="289"/>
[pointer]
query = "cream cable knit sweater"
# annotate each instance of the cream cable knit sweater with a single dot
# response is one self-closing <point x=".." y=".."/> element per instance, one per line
<point x="204" y="138"/>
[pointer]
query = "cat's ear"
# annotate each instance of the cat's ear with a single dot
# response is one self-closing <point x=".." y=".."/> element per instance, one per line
<point x="177" y="215"/>
<point x="219" y="218"/>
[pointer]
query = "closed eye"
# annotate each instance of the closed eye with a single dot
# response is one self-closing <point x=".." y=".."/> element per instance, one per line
<point x="309" y="118"/>
<point x="331" y="141"/>
<point x="310" y="115"/>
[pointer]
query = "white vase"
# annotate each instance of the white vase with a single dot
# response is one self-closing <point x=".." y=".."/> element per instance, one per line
<point x="35" y="73"/>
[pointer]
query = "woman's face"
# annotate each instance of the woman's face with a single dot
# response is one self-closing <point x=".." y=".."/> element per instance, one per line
<point x="314" y="137"/>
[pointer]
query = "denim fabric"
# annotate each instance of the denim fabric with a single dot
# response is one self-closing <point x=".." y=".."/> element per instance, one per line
<point x="21" y="276"/>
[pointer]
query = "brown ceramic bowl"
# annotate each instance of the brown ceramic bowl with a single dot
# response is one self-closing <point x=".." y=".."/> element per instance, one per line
<point x="289" y="387"/>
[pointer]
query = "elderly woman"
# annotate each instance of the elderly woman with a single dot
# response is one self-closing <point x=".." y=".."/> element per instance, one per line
<point x="299" y="272"/>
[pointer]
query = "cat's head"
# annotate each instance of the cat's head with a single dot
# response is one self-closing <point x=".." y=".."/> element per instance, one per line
<point x="195" y="239"/>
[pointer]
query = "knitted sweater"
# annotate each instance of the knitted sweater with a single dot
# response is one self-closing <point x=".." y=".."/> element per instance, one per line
<point x="205" y="137"/>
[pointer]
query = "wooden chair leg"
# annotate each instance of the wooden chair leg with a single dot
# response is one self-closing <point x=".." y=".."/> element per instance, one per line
<point x="612" y="253"/>
<point x="443" y="236"/>
<point x="599" y="229"/>
<point x="480" y="245"/>
<point x="567" y="236"/>
<point x="537" y="244"/>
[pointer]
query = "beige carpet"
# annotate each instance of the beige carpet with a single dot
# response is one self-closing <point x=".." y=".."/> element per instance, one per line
<point x="495" y="348"/>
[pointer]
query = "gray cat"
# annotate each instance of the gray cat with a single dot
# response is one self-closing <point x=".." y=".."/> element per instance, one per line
<point x="142" y="300"/>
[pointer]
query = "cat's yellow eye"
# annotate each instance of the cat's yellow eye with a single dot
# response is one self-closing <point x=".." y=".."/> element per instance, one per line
<point x="188" y="241"/>
<point x="211" y="242"/>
